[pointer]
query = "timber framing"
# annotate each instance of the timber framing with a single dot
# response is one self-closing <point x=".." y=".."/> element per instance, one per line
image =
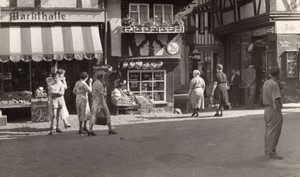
<point x="244" y="25"/>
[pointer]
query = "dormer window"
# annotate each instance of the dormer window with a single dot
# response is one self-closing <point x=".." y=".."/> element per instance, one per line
<point x="163" y="13"/>
<point x="139" y="13"/>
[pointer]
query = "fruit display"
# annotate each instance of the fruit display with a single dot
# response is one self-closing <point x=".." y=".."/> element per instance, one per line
<point x="19" y="97"/>
<point x="40" y="92"/>
<point x="123" y="100"/>
<point x="142" y="100"/>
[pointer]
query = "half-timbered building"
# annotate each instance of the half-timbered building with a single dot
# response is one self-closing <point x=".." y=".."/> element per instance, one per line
<point x="203" y="49"/>
<point x="266" y="32"/>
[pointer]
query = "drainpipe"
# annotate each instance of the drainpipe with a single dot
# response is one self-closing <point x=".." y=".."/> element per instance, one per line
<point x="105" y="32"/>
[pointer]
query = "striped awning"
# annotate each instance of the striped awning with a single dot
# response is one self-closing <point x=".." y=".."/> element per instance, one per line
<point x="37" y="43"/>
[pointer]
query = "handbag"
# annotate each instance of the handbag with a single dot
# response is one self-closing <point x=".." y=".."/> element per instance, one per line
<point x="101" y="118"/>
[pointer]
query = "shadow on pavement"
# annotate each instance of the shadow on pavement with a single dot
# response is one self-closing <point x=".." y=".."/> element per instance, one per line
<point x="23" y="129"/>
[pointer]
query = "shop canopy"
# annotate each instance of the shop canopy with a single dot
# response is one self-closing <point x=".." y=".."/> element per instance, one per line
<point x="37" y="43"/>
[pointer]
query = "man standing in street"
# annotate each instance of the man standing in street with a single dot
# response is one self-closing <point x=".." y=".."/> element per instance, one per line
<point x="249" y="78"/>
<point x="273" y="114"/>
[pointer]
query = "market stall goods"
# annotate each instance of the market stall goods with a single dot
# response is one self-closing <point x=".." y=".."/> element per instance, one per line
<point x="19" y="97"/>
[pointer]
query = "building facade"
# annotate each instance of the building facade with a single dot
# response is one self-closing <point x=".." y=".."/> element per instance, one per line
<point x="39" y="36"/>
<point x="203" y="49"/>
<point x="151" y="52"/>
<point x="263" y="32"/>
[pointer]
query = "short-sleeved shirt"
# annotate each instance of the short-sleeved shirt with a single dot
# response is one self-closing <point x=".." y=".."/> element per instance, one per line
<point x="271" y="92"/>
<point x="57" y="101"/>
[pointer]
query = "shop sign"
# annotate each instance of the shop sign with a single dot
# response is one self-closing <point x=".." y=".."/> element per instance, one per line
<point x="5" y="76"/>
<point x="287" y="27"/>
<point x="250" y="47"/>
<point x="40" y="110"/>
<point x="284" y="43"/>
<point x="172" y="48"/>
<point x="51" y="16"/>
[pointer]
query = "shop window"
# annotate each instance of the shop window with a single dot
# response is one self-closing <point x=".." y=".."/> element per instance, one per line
<point x="163" y="13"/>
<point x="139" y="13"/>
<point x="151" y="84"/>
<point x="291" y="64"/>
<point x="4" y="3"/>
<point x="58" y="3"/>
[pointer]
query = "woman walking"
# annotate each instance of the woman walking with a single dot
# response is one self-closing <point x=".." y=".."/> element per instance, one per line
<point x="81" y="91"/>
<point x="219" y="91"/>
<point x="196" y="93"/>
<point x="64" y="111"/>
<point x="99" y="104"/>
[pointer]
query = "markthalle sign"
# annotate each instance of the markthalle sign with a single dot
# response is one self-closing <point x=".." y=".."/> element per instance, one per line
<point x="51" y="16"/>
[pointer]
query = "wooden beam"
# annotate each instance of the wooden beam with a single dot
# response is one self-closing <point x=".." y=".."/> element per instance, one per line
<point x="259" y="6"/>
<point x="254" y="7"/>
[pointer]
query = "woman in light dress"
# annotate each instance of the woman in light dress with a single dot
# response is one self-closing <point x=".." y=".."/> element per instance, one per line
<point x="196" y="93"/>
<point x="81" y="91"/>
<point x="64" y="111"/>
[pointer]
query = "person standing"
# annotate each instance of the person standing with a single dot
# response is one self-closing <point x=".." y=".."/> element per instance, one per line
<point x="64" y="111"/>
<point x="273" y="114"/>
<point x="56" y="92"/>
<point x="249" y="78"/>
<point x="235" y="88"/>
<point x="196" y="93"/>
<point x="81" y="91"/>
<point x="99" y="104"/>
<point x="219" y="91"/>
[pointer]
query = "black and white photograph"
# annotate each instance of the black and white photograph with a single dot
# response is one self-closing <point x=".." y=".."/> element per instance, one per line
<point x="149" y="88"/>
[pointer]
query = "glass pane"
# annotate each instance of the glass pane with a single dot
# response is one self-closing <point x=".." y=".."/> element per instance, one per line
<point x="58" y="3"/>
<point x="158" y="13"/>
<point x="134" y="86"/>
<point x="133" y="8"/>
<point x="158" y="96"/>
<point x="90" y="3"/>
<point x="134" y="76"/>
<point x="159" y="76"/>
<point x="27" y="3"/>
<point x="146" y="86"/>
<point x="168" y="14"/>
<point x="147" y="95"/>
<point x="159" y="86"/>
<point x="146" y="76"/>
<point x="4" y="3"/>
<point x="144" y="13"/>
<point x="134" y="16"/>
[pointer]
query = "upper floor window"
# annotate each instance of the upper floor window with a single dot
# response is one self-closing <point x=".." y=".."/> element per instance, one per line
<point x="163" y="13"/>
<point x="139" y="13"/>
<point x="28" y="3"/>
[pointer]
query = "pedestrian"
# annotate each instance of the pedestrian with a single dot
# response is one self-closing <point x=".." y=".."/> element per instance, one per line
<point x="56" y="92"/>
<point x="273" y="114"/>
<point x="196" y="93"/>
<point x="64" y="111"/>
<point x="81" y="91"/>
<point x="235" y="87"/>
<point x="219" y="91"/>
<point x="249" y="78"/>
<point x="99" y="104"/>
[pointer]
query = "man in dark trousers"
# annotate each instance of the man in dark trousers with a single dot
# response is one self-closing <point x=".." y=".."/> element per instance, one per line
<point x="273" y="114"/>
<point x="235" y="88"/>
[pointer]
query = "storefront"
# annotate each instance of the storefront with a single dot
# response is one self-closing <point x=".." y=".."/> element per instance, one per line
<point x="36" y="43"/>
<point x="149" y="67"/>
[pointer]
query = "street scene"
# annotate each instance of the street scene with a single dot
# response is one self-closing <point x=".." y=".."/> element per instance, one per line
<point x="158" y="88"/>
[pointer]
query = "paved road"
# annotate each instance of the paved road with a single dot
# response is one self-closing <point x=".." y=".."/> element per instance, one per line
<point x="203" y="147"/>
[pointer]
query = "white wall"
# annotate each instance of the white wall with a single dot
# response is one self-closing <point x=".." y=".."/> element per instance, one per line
<point x="114" y="15"/>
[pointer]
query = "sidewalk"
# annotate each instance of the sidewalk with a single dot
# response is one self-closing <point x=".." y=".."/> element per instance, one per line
<point x="28" y="128"/>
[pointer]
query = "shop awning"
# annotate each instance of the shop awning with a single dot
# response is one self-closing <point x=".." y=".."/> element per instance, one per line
<point x="174" y="58"/>
<point x="37" y="43"/>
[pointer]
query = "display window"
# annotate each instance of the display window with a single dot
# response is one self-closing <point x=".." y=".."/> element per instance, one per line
<point x="291" y="64"/>
<point x="151" y="84"/>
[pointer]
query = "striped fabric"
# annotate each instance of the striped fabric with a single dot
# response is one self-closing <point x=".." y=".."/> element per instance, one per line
<point x="39" y="43"/>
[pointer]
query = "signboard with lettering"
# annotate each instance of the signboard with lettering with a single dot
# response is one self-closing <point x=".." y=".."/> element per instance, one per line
<point x="287" y="27"/>
<point x="40" y="110"/>
<point x="51" y="16"/>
